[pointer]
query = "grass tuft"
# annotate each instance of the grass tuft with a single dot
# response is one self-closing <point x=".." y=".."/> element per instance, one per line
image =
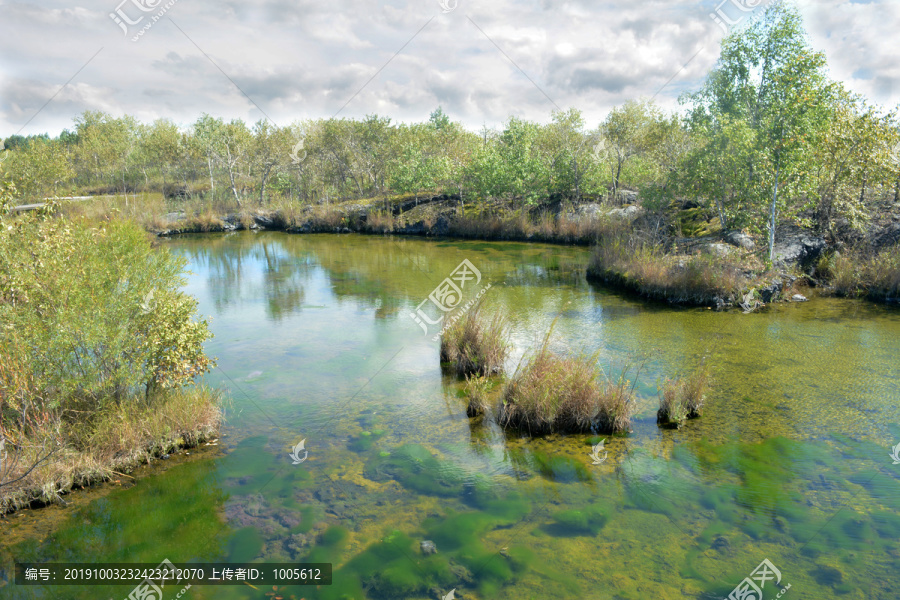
<point x="682" y="399"/>
<point x="552" y="393"/>
<point x="474" y="345"/>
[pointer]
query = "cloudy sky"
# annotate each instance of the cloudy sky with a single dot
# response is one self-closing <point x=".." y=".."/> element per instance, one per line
<point x="289" y="60"/>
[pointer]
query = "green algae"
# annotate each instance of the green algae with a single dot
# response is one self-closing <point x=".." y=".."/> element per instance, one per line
<point x="791" y="437"/>
<point x="585" y="521"/>
<point x="417" y="469"/>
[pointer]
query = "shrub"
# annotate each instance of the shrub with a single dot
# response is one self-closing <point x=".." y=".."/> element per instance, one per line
<point x="876" y="277"/>
<point x="94" y="329"/>
<point x="474" y="345"/>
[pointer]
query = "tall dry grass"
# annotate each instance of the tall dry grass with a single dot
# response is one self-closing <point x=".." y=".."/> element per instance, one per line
<point x="876" y="277"/>
<point x="475" y="344"/>
<point x="696" y="279"/>
<point x="116" y="438"/>
<point x="682" y="399"/>
<point x="552" y="393"/>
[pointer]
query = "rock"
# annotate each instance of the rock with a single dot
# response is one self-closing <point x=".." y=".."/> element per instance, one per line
<point x="888" y="236"/>
<point x="263" y="221"/>
<point x="629" y="212"/>
<point x="721" y="544"/>
<point x="772" y="291"/>
<point x="799" y="298"/>
<point x="591" y="211"/>
<point x="428" y="547"/>
<point x="741" y="240"/>
<point x="717" y="249"/>
<point x="441" y="226"/>
<point x="627" y="196"/>
<point x="798" y="247"/>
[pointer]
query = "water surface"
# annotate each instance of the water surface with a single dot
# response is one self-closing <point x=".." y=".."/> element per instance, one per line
<point x="789" y="463"/>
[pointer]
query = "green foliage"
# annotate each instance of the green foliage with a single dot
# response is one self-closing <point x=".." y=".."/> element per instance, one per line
<point x="92" y="314"/>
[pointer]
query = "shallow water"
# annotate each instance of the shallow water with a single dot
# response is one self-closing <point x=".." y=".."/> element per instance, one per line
<point x="790" y="461"/>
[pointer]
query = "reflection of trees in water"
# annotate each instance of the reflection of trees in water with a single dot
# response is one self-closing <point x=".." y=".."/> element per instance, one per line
<point x="225" y="258"/>
<point x="282" y="273"/>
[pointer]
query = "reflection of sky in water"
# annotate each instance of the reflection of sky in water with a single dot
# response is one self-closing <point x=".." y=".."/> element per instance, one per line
<point x="314" y="341"/>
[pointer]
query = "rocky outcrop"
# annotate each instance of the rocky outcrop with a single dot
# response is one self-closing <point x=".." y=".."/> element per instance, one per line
<point x="740" y="240"/>
<point x="797" y="246"/>
<point x="717" y="249"/>
<point x="888" y="236"/>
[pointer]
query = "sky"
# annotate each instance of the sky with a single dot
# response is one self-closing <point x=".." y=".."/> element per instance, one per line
<point x="482" y="62"/>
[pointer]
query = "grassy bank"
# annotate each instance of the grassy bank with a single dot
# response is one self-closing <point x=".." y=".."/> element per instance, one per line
<point x="632" y="251"/>
<point x="697" y="279"/>
<point x="51" y="459"/>
<point x="873" y="276"/>
<point x="98" y="351"/>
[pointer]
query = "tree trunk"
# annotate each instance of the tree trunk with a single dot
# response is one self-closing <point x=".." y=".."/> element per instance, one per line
<point x="772" y="214"/>
<point x="212" y="184"/>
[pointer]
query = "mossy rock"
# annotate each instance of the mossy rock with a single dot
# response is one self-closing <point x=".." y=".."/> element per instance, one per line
<point x="586" y="521"/>
<point x="560" y="469"/>
<point x="415" y="468"/>
<point x="365" y="440"/>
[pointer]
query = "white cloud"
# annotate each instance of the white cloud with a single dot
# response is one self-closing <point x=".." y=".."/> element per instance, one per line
<point x="302" y="59"/>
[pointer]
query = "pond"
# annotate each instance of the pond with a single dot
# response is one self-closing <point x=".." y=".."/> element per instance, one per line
<point x="315" y="342"/>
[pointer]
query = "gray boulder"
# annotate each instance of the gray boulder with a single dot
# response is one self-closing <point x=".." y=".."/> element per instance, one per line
<point x="717" y="249"/>
<point x="798" y="247"/>
<point x="771" y="291"/>
<point x="628" y="212"/>
<point x="428" y="547"/>
<point x="740" y="240"/>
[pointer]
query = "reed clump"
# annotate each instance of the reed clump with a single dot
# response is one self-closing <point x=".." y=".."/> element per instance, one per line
<point x="477" y="394"/>
<point x="475" y="344"/>
<point x="566" y="394"/>
<point x="682" y="398"/>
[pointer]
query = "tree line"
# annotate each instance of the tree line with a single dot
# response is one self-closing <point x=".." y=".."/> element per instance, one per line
<point x="767" y="138"/>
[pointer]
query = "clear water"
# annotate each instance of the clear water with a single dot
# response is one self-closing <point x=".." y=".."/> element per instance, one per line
<point x="789" y="463"/>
